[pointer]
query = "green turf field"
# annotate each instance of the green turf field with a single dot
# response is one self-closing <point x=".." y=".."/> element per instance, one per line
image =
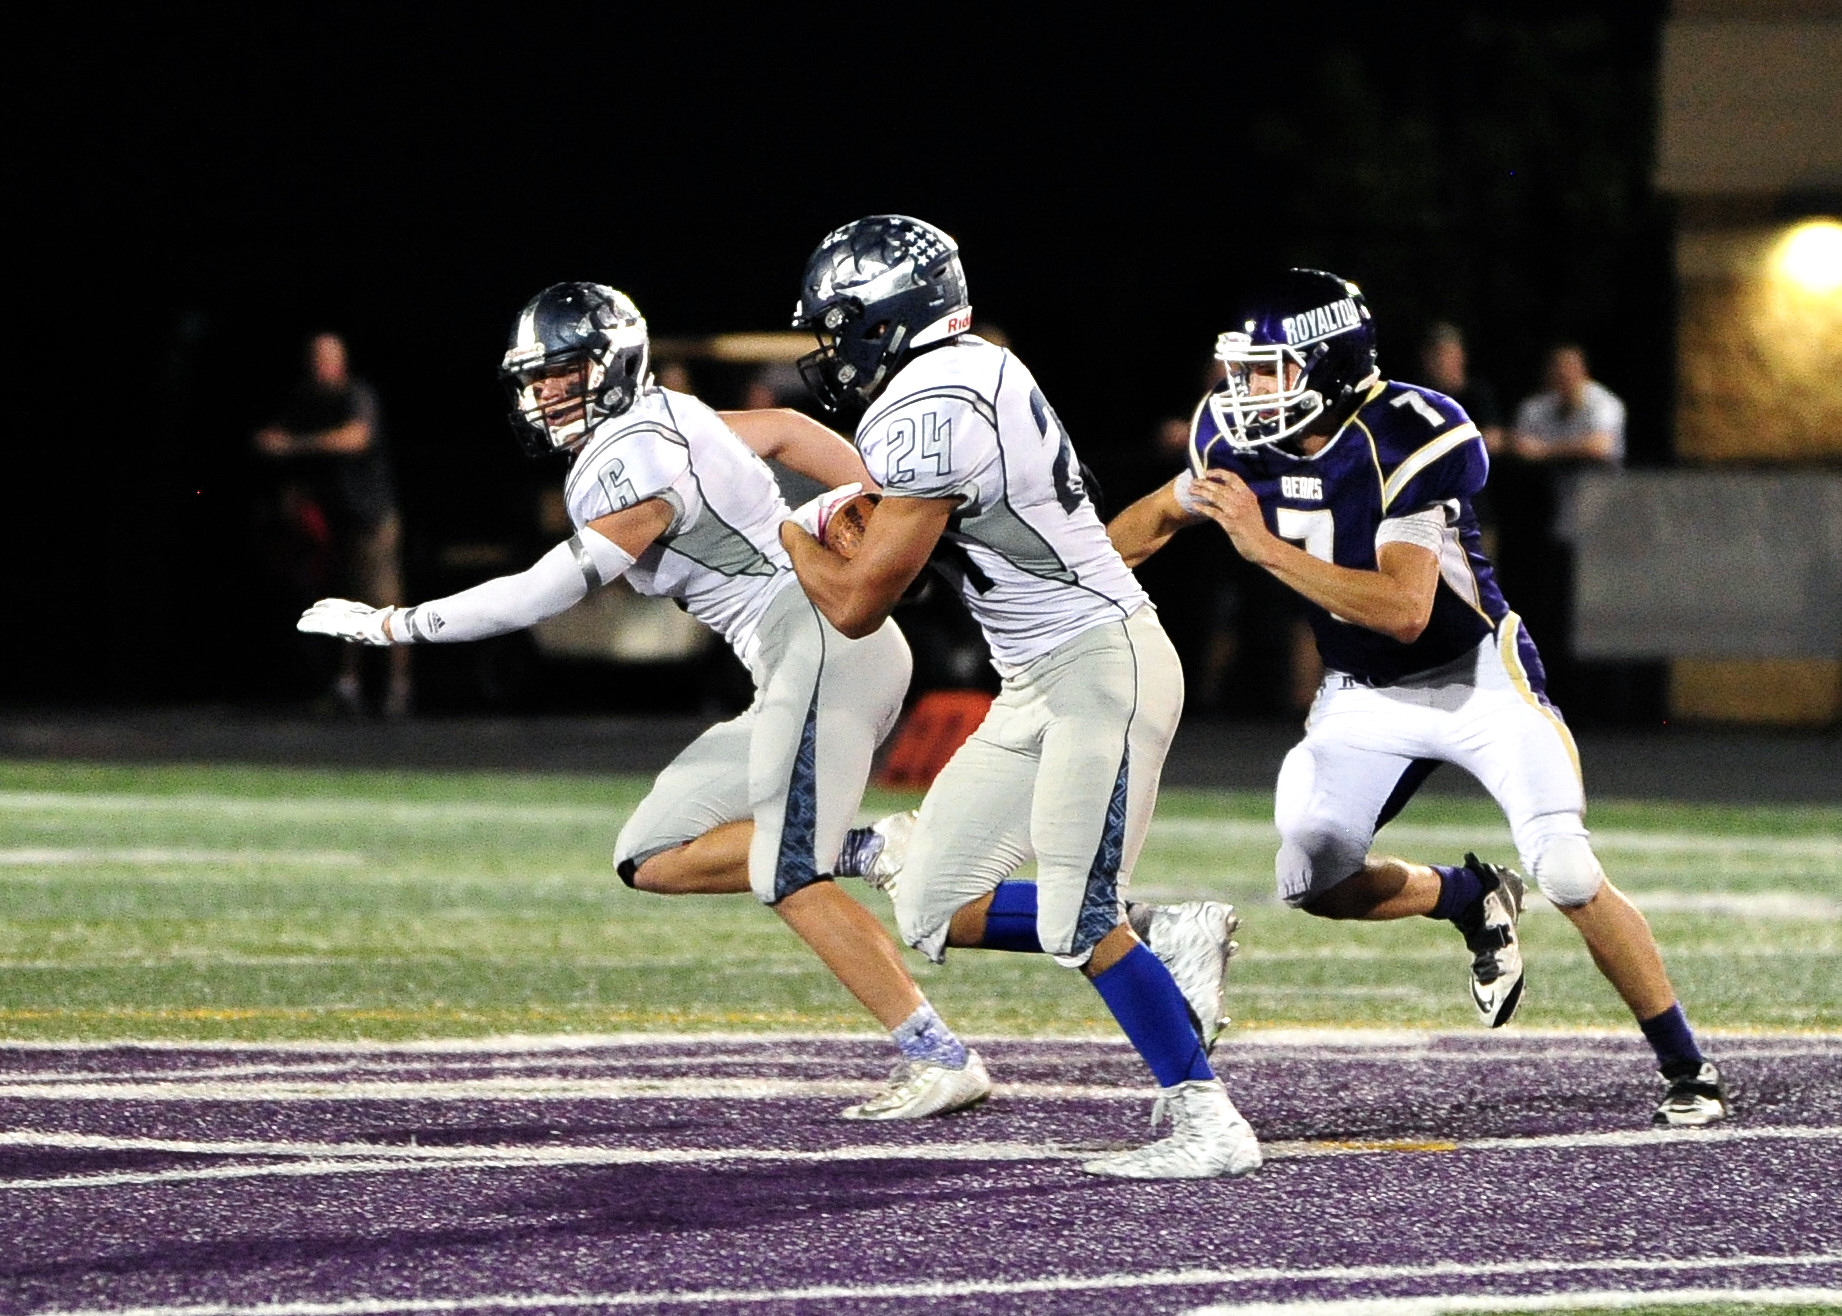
<point x="257" y="903"/>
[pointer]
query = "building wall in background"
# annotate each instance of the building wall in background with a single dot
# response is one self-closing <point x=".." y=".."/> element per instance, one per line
<point x="1749" y="101"/>
<point x="1759" y="346"/>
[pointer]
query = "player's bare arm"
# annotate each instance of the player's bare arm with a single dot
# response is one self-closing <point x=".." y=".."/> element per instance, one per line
<point x="1396" y="599"/>
<point x="342" y="441"/>
<point x="799" y="442"/>
<point x="1599" y="446"/>
<point x="857" y="594"/>
<point x="1146" y="526"/>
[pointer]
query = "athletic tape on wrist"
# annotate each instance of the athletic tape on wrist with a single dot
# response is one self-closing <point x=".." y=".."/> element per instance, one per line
<point x="1181" y="488"/>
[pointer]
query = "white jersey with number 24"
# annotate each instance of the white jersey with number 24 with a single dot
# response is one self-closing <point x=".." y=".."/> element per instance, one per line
<point x="967" y="421"/>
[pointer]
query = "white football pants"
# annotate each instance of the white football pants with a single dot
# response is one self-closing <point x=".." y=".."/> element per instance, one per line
<point x="1064" y="769"/>
<point x="1479" y="713"/>
<point x="796" y="761"/>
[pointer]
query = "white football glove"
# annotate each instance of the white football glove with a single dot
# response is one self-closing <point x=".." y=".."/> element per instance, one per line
<point x="359" y="623"/>
<point x="813" y="514"/>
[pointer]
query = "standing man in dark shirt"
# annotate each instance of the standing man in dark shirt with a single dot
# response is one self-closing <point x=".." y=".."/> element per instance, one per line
<point x="329" y="440"/>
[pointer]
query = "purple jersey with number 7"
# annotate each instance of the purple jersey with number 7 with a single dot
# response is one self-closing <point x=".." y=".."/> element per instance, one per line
<point x="1406" y="451"/>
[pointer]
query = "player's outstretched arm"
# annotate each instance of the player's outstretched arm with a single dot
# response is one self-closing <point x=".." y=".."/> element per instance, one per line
<point x="857" y="593"/>
<point x="1396" y="599"/>
<point x="597" y="554"/>
<point x="1146" y="526"/>
<point x="799" y="442"/>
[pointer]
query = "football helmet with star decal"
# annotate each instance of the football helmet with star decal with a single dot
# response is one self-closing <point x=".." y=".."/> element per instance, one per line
<point x="578" y="356"/>
<point x="1304" y="348"/>
<point x="875" y="292"/>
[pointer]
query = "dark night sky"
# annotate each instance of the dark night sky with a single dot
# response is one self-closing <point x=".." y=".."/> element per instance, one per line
<point x="201" y="190"/>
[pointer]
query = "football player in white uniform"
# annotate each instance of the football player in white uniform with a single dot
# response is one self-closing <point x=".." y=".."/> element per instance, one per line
<point x="1065" y="767"/>
<point x="1356" y="492"/>
<point x="662" y="492"/>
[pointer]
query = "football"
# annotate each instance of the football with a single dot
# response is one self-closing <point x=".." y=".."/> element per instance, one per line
<point x="843" y="531"/>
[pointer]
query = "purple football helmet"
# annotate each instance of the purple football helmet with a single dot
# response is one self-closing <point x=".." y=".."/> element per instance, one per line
<point x="1304" y="347"/>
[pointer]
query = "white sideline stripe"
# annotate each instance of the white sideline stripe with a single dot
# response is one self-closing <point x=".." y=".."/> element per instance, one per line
<point x="307" y="1159"/>
<point x="1379" y="1043"/>
<point x="1599" y="1299"/>
<point x="1229" y="830"/>
<point x="675" y="1062"/>
<point x="715" y="1059"/>
<point x="524" y="1089"/>
<point x="45" y="857"/>
<point x="361" y="1159"/>
<point x="935" y="1290"/>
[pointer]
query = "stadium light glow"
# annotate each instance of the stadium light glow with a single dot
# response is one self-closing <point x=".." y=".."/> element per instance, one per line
<point x="1809" y="257"/>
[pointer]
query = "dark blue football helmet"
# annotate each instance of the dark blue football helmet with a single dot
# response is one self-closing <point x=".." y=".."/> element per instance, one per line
<point x="1304" y="347"/>
<point x="875" y="292"/>
<point x="590" y="332"/>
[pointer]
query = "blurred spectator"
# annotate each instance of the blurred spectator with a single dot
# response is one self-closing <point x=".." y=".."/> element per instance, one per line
<point x="675" y="375"/>
<point x="1577" y="419"/>
<point x="1443" y="368"/>
<point x="776" y="384"/>
<point x="328" y="449"/>
<point x="1574" y="423"/>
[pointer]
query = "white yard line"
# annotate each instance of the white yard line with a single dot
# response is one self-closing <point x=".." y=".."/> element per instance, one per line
<point x="49" y="857"/>
<point x="1241" y="831"/>
<point x="1739" y="904"/>
<point x="278" y="1159"/>
<point x="1235" y="831"/>
<point x="327" y="808"/>
<point x="925" y="1292"/>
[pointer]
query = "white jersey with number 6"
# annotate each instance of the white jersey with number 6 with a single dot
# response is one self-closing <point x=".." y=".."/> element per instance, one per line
<point x="720" y="555"/>
<point x="966" y="421"/>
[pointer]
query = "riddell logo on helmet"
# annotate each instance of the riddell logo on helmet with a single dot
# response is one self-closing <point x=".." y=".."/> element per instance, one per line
<point x="959" y="323"/>
<point x="1321" y="322"/>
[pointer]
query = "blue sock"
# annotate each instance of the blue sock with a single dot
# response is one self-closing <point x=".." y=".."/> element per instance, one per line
<point x="1150" y="1010"/>
<point x="1459" y="889"/>
<point x="925" y="1039"/>
<point x="1669" y="1036"/>
<point x="1010" y="923"/>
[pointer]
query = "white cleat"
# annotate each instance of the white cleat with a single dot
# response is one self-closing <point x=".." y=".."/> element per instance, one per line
<point x="916" y="1091"/>
<point x="1195" y="942"/>
<point x="1496" y="954"/>
<point x="1208" y="1138"/>
<point x="876" y="853"/>
<point x="1696" y="1097"/>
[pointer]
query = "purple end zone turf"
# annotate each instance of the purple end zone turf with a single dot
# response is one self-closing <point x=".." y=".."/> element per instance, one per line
<point x="1579" y="1210"/>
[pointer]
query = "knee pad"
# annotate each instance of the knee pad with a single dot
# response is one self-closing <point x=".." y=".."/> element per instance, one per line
<point x="1567" y="870"/>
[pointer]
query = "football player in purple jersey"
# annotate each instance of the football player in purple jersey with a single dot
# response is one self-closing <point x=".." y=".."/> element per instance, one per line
<point x="1356" y="492"/>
